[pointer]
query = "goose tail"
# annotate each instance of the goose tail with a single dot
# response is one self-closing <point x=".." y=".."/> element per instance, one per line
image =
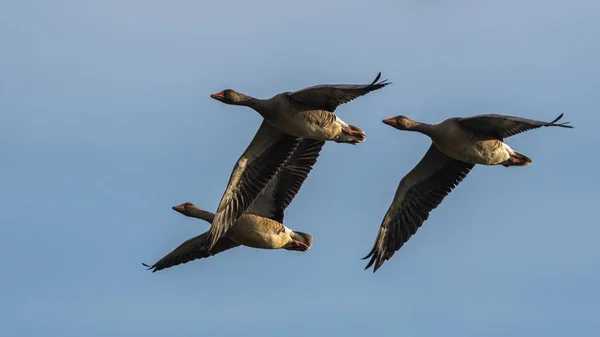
<point x="517" y="159"/>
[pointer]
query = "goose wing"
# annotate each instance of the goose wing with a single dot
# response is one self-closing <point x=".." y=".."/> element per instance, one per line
<point x="330" y="96"/>
<point x="418" y="193"/>
<point x="282" y="189"/>
<point x="503" y="126"/>
<point x="267" y="152"/>
<point x="192" y="249"/>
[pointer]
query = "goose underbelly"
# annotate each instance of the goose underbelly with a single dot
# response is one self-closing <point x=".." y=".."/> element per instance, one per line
<point x="257" y="232"/>
<point x="483" y="152"/>
<point x="318" y="124"/>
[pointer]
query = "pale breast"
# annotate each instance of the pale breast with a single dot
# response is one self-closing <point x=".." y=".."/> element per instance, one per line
<point x="471" y="148"/>
<point x="315" y="124"/>
<point x="483" y="152"/>
<point x="258" y="232"/>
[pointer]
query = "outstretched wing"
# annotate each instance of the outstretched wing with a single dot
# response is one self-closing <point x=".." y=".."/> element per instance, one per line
<point x="267" y="152"/>
<point x="330" y="96"/>
<point x="192" y="249"/>
<point x="418" y="193"/>
<point x="502" y="126"/>
<point x="282" y="189"/>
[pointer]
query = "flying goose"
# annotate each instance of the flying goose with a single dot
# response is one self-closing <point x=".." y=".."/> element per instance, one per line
<point x="288" y="117"/>
<point x="261" y="226"/>
<point x="457" y="145"/>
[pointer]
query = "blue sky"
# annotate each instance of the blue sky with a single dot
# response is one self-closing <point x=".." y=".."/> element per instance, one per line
<point x="106" y="122"/>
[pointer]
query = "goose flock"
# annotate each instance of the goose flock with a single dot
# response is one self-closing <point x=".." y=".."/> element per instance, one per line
<point x="296" y="125"/>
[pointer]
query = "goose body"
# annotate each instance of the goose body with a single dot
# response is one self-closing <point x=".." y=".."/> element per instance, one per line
<point x="463" y="144"/>
<point x="458" y="144"/>
<point x="299" y="119"/>
<point x="288" y="118"/>
<point x="249" y="230"/>
<point x="261" y="226"/>
<point x="314" y="124"/>
<point x="259" y="232"/>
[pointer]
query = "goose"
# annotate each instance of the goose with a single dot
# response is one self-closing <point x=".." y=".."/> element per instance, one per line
<point x="287" y="118"/>
<point x="458" y="144"/>
<point x="261" y="226"/>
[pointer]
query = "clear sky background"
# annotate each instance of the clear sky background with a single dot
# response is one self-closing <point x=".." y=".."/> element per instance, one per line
<point x="106" y="122"/>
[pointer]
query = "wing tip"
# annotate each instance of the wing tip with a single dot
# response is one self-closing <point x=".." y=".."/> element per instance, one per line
<point x="148" y="267"/>
<point x="219" y="226"/>
<point x="563" y="124"/>
<point x="214" y="237"/>
<point x="375" y="259"/>
<point x="376" y="78"/>
<point x="378" y="83"/>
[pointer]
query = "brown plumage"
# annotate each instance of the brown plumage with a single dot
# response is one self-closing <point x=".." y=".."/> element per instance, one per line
<point x="288" y="117"/>
<point x="262" y="225"/>
<point x="457" y="145"/>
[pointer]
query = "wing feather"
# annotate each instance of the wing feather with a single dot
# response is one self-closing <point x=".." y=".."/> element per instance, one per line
<point x="282" y="189"/>
<point x="418" y="193"/>
<point x="190" y="250"/>
<point x="265" y="155"/>
<point x="329" y="96"/>
<point x="504" y="126"/>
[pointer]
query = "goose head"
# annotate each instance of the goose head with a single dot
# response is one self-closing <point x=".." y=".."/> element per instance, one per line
<point x="230" y="96"/>
<point x="187" y="208"/>
<point x="401" y="122"/>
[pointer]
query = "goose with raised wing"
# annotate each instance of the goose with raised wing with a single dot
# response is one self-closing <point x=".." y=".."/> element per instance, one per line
<point x="458" y="144"/>
<point x="288" y="117"/>
<point x="261" y="226"/>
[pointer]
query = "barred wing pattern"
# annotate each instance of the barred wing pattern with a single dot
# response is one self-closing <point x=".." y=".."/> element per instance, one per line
<point x="418" y="193"/>
<point x="265" y="155"/>
<point x="282" y="189"/>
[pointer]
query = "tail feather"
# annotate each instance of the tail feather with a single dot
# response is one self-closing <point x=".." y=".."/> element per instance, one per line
<point x="351" y="134"/>
<point x="517" y="159"/>
<point x="526" y="160"/>
<point x="306" y="238"/>
<point x="355" y="128"/>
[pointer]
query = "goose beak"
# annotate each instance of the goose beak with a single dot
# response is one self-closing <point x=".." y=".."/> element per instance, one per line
<point x="218" y="96"/>
<point x="389" y="121"/>
<point x="178" y="208"/>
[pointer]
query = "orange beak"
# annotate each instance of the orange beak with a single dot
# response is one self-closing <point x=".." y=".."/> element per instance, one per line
<point x="389" y="121"/>
<point x="218" y="96"/>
